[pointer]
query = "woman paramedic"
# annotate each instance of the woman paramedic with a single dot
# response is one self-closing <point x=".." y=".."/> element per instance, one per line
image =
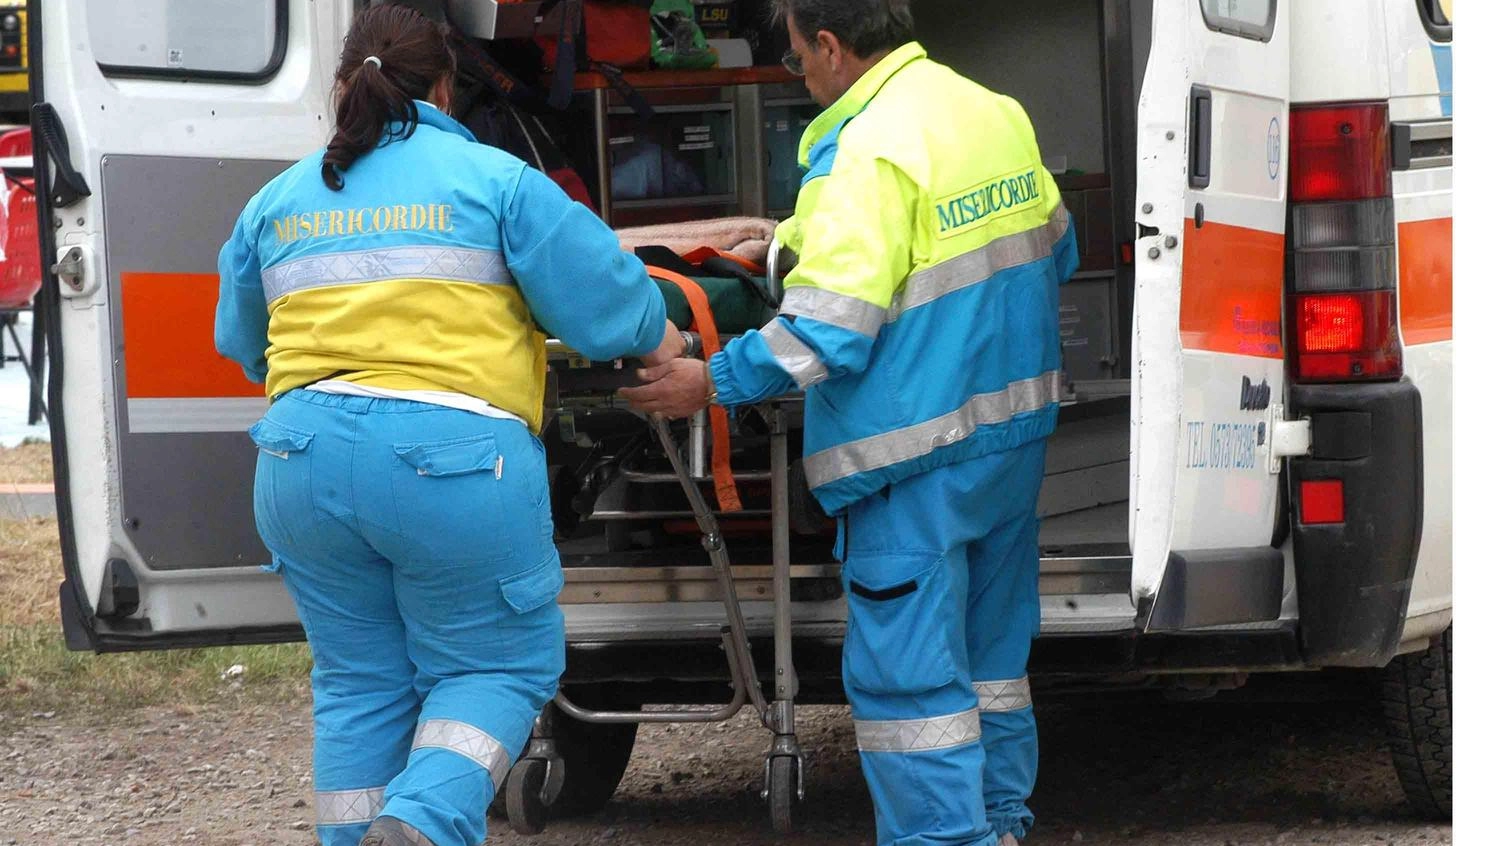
<point x="387" y="291"/>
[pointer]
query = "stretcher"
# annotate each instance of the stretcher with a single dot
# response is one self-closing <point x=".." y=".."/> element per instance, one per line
<point x="737" y="301"/>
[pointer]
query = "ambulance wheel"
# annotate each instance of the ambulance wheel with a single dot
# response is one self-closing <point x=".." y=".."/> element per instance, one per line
<point x="524" y="796"/>
<point x="595" y="759"/>
<point x="1417" y="698"/>
<point x="783" y="790"/>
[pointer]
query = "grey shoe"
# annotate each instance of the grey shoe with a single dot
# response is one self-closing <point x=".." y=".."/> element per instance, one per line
<point x="390" y="831"/>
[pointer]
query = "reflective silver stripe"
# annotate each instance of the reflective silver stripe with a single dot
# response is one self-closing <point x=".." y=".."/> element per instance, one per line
<point x="920" y="735"/>
<point x="191" y="414"/>
<point x="794" y="355"/>
<point x="840" y="310"/>
<point x="839" y="462"/>
<point x="995" y="697"/>
<point x="464" y="739"/>
<point x="445" y="264"/>
<point x="979" y="265"/>
<point x="343" y="807"/>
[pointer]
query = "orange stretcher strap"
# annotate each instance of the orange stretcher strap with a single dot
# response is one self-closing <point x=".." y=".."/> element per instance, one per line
<point x="699" y="254"/>
<point x="702" y="321"/>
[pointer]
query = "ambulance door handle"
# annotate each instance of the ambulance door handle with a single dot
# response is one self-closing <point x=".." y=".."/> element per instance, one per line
<point x="1199" y="167"/>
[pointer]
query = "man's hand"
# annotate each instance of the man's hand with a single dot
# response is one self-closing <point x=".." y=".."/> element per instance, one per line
<point x="670" y="348"/>
<point x="676" y="389"/>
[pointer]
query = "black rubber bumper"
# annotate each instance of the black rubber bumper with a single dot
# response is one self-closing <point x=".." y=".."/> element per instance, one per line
<point x="1354" y="577"/>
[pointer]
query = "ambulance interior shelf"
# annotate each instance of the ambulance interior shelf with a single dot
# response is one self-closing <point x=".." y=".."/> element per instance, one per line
<point x="711" y="78"/>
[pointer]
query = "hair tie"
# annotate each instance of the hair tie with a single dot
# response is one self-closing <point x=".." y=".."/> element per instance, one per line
<point x="373" y="60"/>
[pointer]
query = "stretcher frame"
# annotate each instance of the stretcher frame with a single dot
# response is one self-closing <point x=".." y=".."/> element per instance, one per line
<point x="783" y="768"/>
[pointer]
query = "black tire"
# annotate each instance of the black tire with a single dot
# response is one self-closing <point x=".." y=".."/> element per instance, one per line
<point x="1417" y="698"/>
<point x="595" y="759"/>
<point x="783" y="789"/>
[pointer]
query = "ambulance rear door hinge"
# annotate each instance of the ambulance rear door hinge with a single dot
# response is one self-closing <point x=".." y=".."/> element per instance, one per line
<point x="1287" y="437"/>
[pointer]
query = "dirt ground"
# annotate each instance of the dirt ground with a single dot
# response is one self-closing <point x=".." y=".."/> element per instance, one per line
<point x="1202" y="774"/>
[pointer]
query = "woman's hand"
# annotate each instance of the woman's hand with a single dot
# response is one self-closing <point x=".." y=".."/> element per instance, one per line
<point x="670" y="348"/>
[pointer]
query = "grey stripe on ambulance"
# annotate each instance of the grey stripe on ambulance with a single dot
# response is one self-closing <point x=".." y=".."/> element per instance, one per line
<point x="849" y="313"/>
<point x="444" y="264"/>
<point x="998" y="697"/>
<point x="921" y="735"/>
<point x="793" y="355"/>
<point x="344" y="807"/>
<point x="979" y="265"/>
<point x="839" y="462"/>
<point x="467" y="740"/>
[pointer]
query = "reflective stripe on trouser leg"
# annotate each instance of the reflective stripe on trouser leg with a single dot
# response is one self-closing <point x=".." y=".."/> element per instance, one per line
<point x="919" y="735"/>
<point x="347" y="807"/>
<point x="1002" y="621"/>
<point x="465" y="740"/>
<point x="1000" y="697"/>
<point x="1011" y="743"/>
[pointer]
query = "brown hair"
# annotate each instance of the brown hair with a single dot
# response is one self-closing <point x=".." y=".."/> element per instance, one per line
<point x="413" y="56"/>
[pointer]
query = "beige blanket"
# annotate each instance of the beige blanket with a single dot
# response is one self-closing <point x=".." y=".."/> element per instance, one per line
<point x="747" y="237"/>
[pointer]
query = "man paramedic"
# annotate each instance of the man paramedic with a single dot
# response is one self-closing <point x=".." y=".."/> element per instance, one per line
<point x="921" y="323"/>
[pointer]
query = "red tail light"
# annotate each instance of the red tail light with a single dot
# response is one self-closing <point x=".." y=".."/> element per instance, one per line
<point x="1331" y="324"/>
<point x="1339" y="153"/>
<point x="1346" y="337"/>
<point x="1341" y="270"/>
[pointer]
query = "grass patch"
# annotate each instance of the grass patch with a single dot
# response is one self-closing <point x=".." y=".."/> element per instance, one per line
<point x="29" y="463"/>
<point x="31" y="568"/>
<point x="38" y="673"/>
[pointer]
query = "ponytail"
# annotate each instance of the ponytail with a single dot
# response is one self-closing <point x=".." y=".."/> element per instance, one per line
<point x="393" y="56"/>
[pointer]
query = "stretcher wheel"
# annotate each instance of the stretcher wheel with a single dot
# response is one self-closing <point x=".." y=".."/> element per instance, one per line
<point x="526" y="811"/>
<point x="783" y="792"/>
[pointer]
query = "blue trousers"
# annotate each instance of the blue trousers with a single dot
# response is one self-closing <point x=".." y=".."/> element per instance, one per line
<point x="416" y="543"/>
<point x="942" y="583"/>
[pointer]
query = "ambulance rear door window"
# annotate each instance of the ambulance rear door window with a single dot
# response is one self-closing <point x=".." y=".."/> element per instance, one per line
<point x="202" y="40"/>
<point x="1244" y="18"/>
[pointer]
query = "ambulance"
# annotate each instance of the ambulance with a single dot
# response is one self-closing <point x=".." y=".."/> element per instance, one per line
<point x="1253" y="470"/>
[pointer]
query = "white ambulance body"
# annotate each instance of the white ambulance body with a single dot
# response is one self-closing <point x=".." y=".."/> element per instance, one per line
<point x="1254" y="472"/>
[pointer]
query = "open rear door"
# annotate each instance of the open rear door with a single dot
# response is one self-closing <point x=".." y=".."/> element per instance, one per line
<point x="156" y="122"/>
<point x="1208" y="379"/>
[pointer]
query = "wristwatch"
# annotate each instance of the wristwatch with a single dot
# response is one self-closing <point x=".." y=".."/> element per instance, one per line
<point x="689" y="344"/>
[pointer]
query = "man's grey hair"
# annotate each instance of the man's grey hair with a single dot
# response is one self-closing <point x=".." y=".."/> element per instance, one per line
<point x="866" y="26"/>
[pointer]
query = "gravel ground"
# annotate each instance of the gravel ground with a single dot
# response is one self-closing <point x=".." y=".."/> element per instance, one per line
<point x="1206" y="774"/>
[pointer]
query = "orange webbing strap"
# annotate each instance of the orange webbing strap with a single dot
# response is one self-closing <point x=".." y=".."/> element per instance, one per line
<point x="702" y="321"/>
<point x="698" y="255"/>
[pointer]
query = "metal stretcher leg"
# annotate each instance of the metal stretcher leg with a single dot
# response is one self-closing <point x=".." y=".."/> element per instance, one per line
<point x="784" y="772"/>
<point x="740" y="653"/>
<point x="536" y="779"/>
